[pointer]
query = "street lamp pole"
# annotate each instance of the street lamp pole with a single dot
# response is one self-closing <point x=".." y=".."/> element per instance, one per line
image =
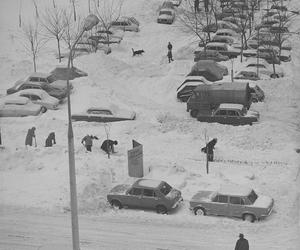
<point x="89" y="23"/>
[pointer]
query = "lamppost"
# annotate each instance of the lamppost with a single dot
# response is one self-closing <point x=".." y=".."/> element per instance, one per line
<point x="89" y="23"/>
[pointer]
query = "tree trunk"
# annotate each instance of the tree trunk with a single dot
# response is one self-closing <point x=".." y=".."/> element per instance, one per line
<point x="58" y="48"/>
<point x="34" y="62"/>
<point x="74" y="10"/>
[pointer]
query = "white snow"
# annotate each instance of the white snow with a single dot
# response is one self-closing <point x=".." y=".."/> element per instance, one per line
<point x="262" y="156"/>
<point x="149" y="183"/>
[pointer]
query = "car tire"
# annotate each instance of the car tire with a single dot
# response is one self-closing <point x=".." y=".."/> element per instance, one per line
<point x="161" y="209"/>
<point x="199" y="211"/>
<point x="116" y="204"/>
<point x="194" y="113"/>
<point x="43" y="109"/>
<point x="249" y="217"/>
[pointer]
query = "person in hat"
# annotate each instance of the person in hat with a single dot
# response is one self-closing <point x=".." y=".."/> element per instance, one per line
<point x="50" y="140"/>
<point x="108" y="146"/>
<point x="87" y="141"/>
<point x="29" y="137"/>
<point x="242" y="243"/>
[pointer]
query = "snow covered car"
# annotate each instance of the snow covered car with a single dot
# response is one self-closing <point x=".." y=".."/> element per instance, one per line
<point x="38" y="96"/>
<point x="19" y="106"/>
<point x="103" y="114"/>
<point x="125" y="24"/>
<point x="263" y="67"/>
<point x="185" y="90"/>
<point x="53" y="91"/>
<point x="232" y="201"/>
<point x="249" y="73"/>
<point x="230" y="113"/>
<point x="176" y="2"/>
<point x="224" y="49"/>
<point x="209" y="55"/>
<point x="166" y="15"/>
<point x="145" y="194"/>
<point x="46" y="78"/>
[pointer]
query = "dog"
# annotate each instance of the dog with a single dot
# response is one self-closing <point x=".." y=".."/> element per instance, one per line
<point x="137" y="52"/>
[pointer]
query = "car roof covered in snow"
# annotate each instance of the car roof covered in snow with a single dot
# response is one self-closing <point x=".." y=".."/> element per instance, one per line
<point x="147" y="183"/>
<point x="236" y="190"/>
<point x="38" y="74"/>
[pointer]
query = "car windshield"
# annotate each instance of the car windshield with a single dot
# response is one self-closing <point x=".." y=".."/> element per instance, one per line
<point x="165" y="13"/>
<point x="165" y="188"/>
<point x="99" y="112"/>
<point x="256" y="65"/>
<point x="50" y="79"/>
<point x="252" y="196"/>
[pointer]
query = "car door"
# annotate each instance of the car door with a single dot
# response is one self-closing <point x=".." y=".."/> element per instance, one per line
<point x="220" y="116"/>
<point x="235" y="206"/>
<point x="233" y="117"/>
<point x="219" y="206"/>
<point x="149" y="199"/>
<point x="134" y="197"/>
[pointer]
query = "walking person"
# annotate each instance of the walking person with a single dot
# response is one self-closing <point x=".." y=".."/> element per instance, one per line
<point x="108" y="146"/>
<point x="209" y="149"/>
<point x="50" y="140"/>
<point x="242" y="243"/>
<point x="170" y="56"/>
<point x="87" y="141"/>
<point x="29" y="137"/>
<point x="196" y="6"/>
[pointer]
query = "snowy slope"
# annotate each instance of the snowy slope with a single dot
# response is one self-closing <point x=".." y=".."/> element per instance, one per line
<point x="261" y="156"/>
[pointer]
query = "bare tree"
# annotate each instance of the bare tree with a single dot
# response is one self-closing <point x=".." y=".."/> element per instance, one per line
<point x="36" y="9"/>
<point x="20" y="15"/>
<point x="53" y="23"/>
<point x="74" y="10"/>
<point x="72" y="30"/>
<point x="195" y="22"/>
<point x="107" y="11"/>
<point x="32" y="41"/>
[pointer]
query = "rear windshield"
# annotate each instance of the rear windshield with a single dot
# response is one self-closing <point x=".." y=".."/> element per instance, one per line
<point x="165" y="13"/>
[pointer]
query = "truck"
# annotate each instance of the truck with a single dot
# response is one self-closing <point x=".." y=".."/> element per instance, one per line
<point x="206" y="98"/>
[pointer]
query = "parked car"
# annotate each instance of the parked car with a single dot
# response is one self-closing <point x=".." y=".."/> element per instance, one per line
<point x="53" y="91"/>
<point x="247" y="74"/>
<point x="19" y="106"/>
<point x="103" y="114"/>
<point x="176" y="2"/>
<point x="64" y="73"/>
<point x="273" y="51"/>
<point x="227" y="32"/>
<point x="232" y="114"/>
<point x="146" y="194"/>
<point x="209" y="55"/>
<point x="125" y="24"/>
<point x="166" y="16"/>
<point x="46" y="78"/>
<point x="224" y="49"/>
<point x="263" y="67"/>
<point x="38" y="96"/>
<point x="185" y="90"/>
<point x="213" y="27"/>
<point x="232" y="201"/>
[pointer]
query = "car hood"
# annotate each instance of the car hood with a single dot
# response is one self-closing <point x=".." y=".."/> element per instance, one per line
<point x="203" y="196"/>
<point x="62" y="84"/>
<point x="120" y="189"/>
<point x="263" y="202"/>
<point x="174" y="194"/>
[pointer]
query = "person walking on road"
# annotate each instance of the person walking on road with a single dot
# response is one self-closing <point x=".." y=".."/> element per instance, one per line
<point x="209" y="149"/>
<point x="87" y="141"/>
<point x="242" y="243"/>
<point x="50" y="140"/>
<point x="29" y="137"/>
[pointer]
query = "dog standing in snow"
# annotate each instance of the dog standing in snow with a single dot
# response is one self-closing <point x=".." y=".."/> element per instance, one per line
<point x="137" y="52"/>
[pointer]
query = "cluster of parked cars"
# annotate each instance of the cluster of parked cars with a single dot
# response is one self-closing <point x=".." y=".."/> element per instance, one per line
<point x="229" y="200"/>
<point x="214" y="100"/>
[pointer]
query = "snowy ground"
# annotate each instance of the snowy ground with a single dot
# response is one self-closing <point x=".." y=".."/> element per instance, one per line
<point x="261" y="156"/>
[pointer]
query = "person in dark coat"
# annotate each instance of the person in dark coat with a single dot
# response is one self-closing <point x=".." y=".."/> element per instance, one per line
<point x="196" y="5"/>
<point x="30" y="135"/>
<point x="170" y="57"/>
<point x="209" y="149"/>
<point x="50" y="140"/>
<point x="242" y="243"/>
<point x="87" y="141"/>
<point x="108" y="146"/>
<point x="170" y="46"/>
